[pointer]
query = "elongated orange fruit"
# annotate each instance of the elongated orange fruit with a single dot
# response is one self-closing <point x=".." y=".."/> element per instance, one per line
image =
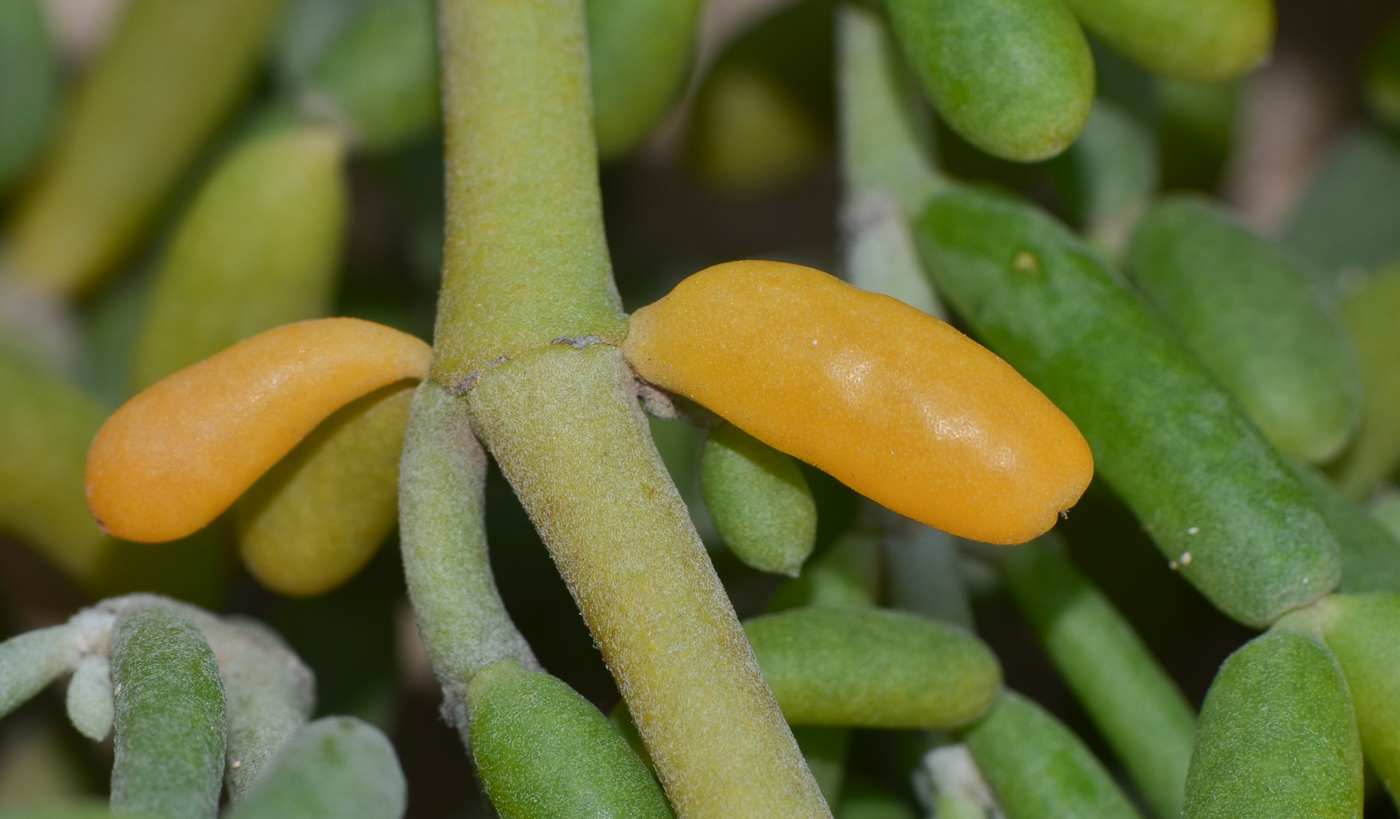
<point x="891" y="401"/>
<point x="177" y="455"/>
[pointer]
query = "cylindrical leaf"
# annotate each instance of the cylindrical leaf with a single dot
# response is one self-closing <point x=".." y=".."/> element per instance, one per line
<point x="1383" y="76"/>
<point x="1277" y="736"/>
<point x="1203" y="40"/>
<point x="639" y="59"/>
<point x="1039" y="768"/>
<point x="924" y="573"/>
<point x="1210" y="490"/>
<point x="1013" y="77"/>
<point x="759" y="501"/>
<point x="318" y="516"/>
<point x="258" y="248"/>
<point x="1343" y="224"/>
<point x="1129" y="697"/>
<point x="169" y="77"/>
<point x="863" y="801"/>
<point x="29" y="94"/>
<point x="91" y="708"/>
<point x="170" y="720"/>
<point x="825" y="748"/>
<point x="46" y="426"/>
<point x="1370" y="552"/>
<point x="1363" y="632"/>
<point x="1107" y="177"/>
<point x="1251" y="317"/>
<point x="848" y="573"/>
<point x="886" y="140"/>
<point x="270" y="696"/>
<point x="31" y="661"/>
<point x="380" y="77"/>
<point x="872" y="668"/>
<point x="1369" y="313"/>
<point x="762" y="118"/>
<point x="544" y="752"/>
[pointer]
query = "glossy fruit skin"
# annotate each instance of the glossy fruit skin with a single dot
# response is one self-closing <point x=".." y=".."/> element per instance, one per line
<point x="894" y="403"/>
<point x="1166" y="437"/>
<point x="177" y="455"/>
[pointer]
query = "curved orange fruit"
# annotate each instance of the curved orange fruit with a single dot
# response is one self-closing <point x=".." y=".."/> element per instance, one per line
<point x="891" y="401"/>
<point x="177" y="455"/>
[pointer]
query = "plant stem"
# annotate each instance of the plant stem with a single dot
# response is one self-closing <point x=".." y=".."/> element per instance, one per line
<point x="885" y="135"/>
<point x="886" y="161"/>
<point x="527" y="327"/>
<point x="526" y="260"/>
<point x="571" y="438"/>
<point x="442" y="524"/>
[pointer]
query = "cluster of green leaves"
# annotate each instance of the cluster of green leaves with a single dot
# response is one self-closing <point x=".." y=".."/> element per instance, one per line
<point x="1240" y="396"/>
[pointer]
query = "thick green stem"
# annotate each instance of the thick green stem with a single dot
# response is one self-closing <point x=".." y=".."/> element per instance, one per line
<point x="572" y="440"/>
<point x="527" y="324"/>
<point x="526" y="261"/>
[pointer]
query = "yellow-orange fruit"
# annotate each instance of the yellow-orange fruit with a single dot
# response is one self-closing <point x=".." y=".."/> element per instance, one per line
<point x="896" y="404"/>
<point x="177" y="455"/>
